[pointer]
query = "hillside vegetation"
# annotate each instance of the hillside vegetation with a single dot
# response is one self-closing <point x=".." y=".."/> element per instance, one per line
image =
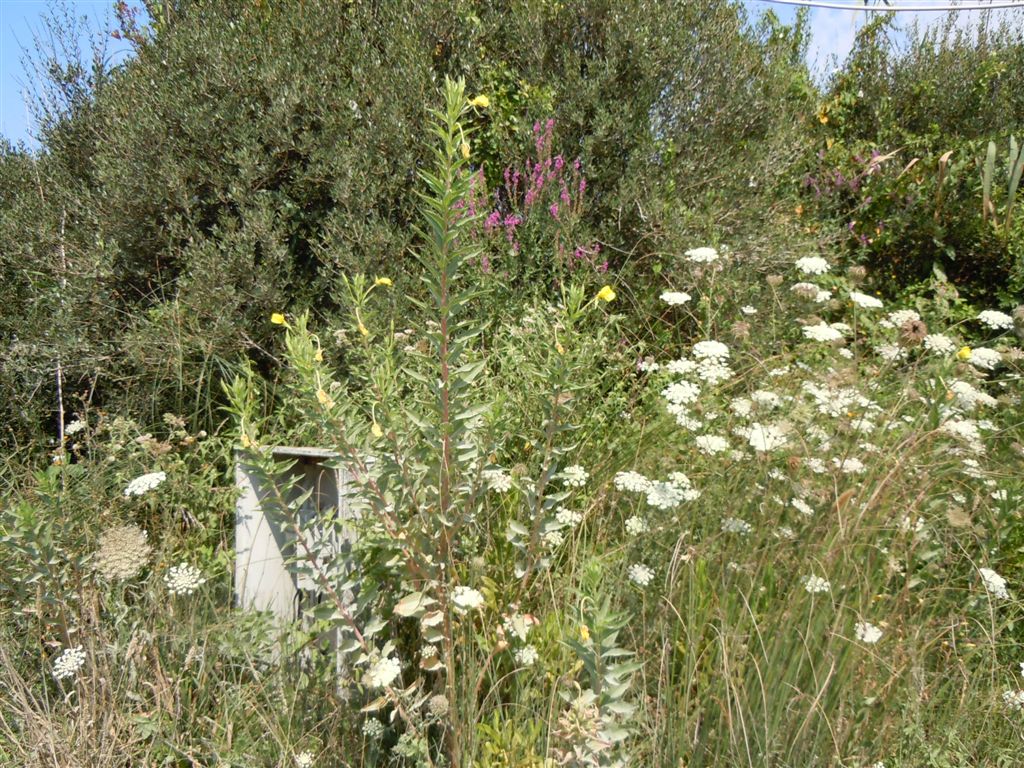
<point x="678" y="393"/>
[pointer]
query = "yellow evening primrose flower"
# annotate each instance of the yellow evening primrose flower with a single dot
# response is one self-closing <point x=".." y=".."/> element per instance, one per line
<point x="324" y="398"/>
<point x="318" y="356"/>
<point x="376" y="430"/>
<point x="464" y="148"/>
<point x="363" y="330"/>
<point x="606" y="294"/>
<point x="584" y="632"/>
<point x="383" y="281"/>
<point x="480" y="101"/>
<point x="964" y="353"/>
<point x="277" y="318"/>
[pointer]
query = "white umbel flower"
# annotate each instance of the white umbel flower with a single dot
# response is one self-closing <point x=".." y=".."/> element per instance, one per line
<point x="383" y="672"/>
<point x="866" y="301"/>
<point x="675" y="298"/>
<point x="304" y="760"/>
<point x="710" y="349"/>
<point x="70" y="661"/>
<point x="747" y="309"/>
<point x="815" y="584"/>
<point x="640" y="574"/>
<point x="704" y="255"/>
<point x="144" y="483"/>
<point x="711" y="444"/>
<point x="999" y="321"/>
<point x="867" y="632"/>
<point x="527" y="656"/>
<point x="74" y="427"/>
<point x="994" y="583"/>
<point x="983" y="357"/>
<point x="123" y="552"/>
<point x="812" y="265"/>
<point x="939" y="343"/>
<point x="467" y="599"/>
<point x="631" y="481"/>
<point x="575" y="476"/>
<point x="183" y="579"/>
<point x="822" y="332"/>
<point x="497" y="480"/>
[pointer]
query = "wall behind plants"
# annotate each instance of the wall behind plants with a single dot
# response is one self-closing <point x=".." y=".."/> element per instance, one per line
<point x="250" y="154"/>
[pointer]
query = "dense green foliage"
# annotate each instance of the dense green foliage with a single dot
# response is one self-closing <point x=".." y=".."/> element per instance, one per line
<point x="679" y="396"/>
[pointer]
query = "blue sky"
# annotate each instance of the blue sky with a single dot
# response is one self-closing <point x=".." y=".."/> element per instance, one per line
<point x="833" y="31"/>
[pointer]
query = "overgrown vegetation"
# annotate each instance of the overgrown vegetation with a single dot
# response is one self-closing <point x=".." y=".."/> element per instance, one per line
<point x="679" y="397"/>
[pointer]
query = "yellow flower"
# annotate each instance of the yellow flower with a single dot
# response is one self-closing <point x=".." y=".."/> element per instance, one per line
<point x="277" y="318"/>
<point x="324" y="398"/>
<point x="318" y="355"/>
<point x="362" y="329"/>
<point x="822" y="116"/>
<point x="606" y="294"/>
<point x="246" y="441"/>
<point x="464" y="148"/>
<point x="559" y="348"/>
<point x="584" y="632"/>
<point x="383" y="281"/>
<point x="799" y="210"/>
<point x="376" y="430"/>
<point x="480" y="101"/>
<point x="964" y="353"/>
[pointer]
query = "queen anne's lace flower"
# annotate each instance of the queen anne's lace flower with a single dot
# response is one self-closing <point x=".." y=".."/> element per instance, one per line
<point x="467" y="599"/>
<point x="144" y="483"/>
<point x="640" y="574"/>
<point x="1014" y="700"/>
<point x="711" y="444"/>
<point x="70" y="661"/>
<point x="939" y="343"/>
<point x="994" y="583"/>
<point x="123" y="552"/>
<point x="900" y="318"/>
<point x="983" y="357"/>
<point x="74" y="427"/>
<point x="497" y="480"/>
<point x="822" y="332"/>
<point x="996" y="320"/>
<point x="304" y="760"/>
<point x="183" y="579"/>
<point x="748" y="310"/>
<point x="704" y="255"/>
<point x="527" y="656"/>
<point x="675" y="298"/>
<point x="735" y="525"/>
<point x="864" y="300"/>
<point x="765" y="437"/>
<point x="383" y="672"/>
<point x="631" y="481"/>
<point x="815" y="584"/>
<point x="575" y="476"/>
<point x="867" y="632"/>
<point x="812" y="265"/>
<point x="715" y="350"/>
<point x="636" y="525"/>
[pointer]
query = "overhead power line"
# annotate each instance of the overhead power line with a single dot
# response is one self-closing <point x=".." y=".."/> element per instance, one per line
<point x="859" y="5"/>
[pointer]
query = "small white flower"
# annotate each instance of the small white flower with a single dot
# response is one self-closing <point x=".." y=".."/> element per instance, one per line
<point x="802" y="507"/>
<point x="815" y="584"/>
<point x="70" y="661"/>
<point x="575" y="476"/>
<point x="748" y="310"/>
<point x="466" y="599"/>
<point x="939" y="343"/>
<point x="144" y="483"/>
<point x="865" y="301"/>
<point x="994" y="583"/>
<point x="735" y="525"/>
<point x="383" y="672"/>
<point x="74" y="427"/>
<point x="996" y="320"/>
<point x="497" y="480"/>
<point x="304" y="760"/>
<point x="568" y="517"/>
<point x="636" y="525"/>
<point x="703" y="255"/>
<point x="711" y="444"/>
<point x="640" y="574"/>
<point x="631" y="481"/>
<point x="183" y="579"/>
<point x="867" y="632"/>
<point x="527" y="656"/>
<point x="1014" y="700"/>
<point x="710" y="349"/>
<point x="765" y="437"/>
<point x="822" y="332"/>
<point x="890" y="352"/>
<point x="899" y="318"/>
<point x="812" y="265"/>
<point x="675" y="298"/>
<point x="681" y="393"/>
<point x="983" y="357"/>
